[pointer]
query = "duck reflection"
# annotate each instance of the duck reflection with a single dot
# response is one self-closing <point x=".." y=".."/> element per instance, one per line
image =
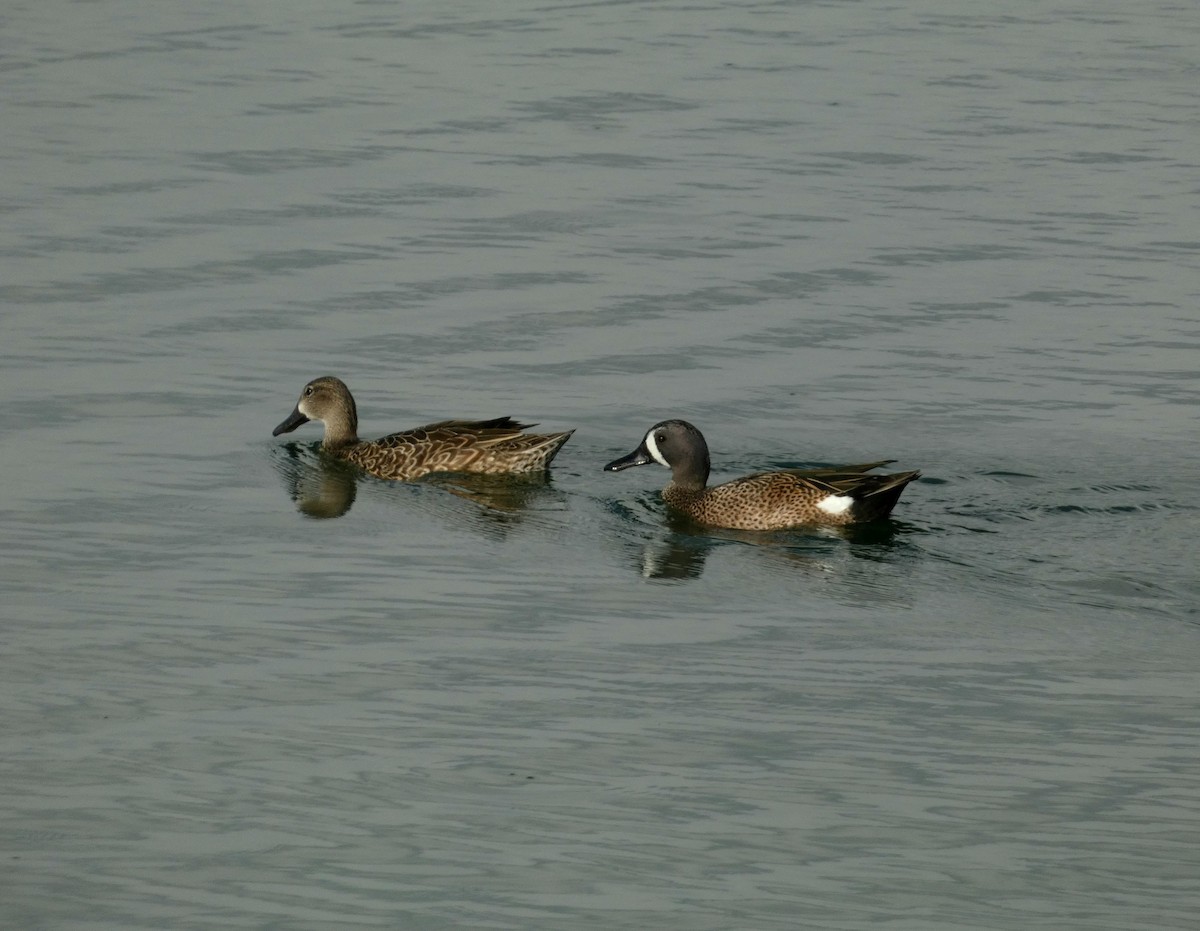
<point x="321" y="487"/>
<point x="324" y="487"/>
<point x="680" y="551"/>
<point x="673" y="557"/>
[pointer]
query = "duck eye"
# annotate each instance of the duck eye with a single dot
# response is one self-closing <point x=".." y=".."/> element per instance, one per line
<point x="308" y="391"/>
<point x="661" y="438"/>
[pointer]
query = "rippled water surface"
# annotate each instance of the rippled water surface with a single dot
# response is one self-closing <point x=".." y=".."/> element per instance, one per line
<point x="244" y="688"/>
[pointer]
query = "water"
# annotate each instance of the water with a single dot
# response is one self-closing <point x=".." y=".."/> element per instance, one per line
<point x="244" y="690"/>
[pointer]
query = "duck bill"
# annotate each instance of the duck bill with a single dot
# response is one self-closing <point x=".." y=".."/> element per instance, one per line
<point x="640" y="456"/>
<point x="295" y="419"/>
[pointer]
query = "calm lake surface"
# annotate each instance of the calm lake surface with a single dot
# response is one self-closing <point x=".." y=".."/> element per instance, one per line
<point x="243" y="689"/>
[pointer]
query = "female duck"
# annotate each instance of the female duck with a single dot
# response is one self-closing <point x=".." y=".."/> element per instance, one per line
<point x="481" y="446"/>
<point x="765" y="500"/>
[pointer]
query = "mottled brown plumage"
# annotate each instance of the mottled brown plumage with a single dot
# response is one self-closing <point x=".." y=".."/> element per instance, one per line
<point x="764" y="500"/>
<point x="479" y="446"/>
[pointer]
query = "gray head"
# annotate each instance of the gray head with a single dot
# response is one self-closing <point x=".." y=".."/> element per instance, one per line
<point x="328" y="400"/>
<point x="675" y="444"/>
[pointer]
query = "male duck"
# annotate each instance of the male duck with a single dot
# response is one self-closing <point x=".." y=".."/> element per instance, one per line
<point x="765" y="500"/>
<point x="481" y="446"/>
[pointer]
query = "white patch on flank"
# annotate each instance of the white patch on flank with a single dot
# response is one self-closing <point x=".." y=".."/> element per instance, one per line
<point x="835" y="504"/>
<point x="653" y="447"/>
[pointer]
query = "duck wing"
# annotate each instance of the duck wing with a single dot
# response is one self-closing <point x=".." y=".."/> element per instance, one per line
<point x="457" y="433"/>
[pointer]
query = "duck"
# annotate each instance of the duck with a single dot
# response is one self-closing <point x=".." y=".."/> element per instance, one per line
<point x="776" y="500"/>
<point x="488" y="447"/>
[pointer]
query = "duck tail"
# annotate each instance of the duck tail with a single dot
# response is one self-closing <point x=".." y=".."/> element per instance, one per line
<point x="552" y="443"/>
<point x="875" y="500"/>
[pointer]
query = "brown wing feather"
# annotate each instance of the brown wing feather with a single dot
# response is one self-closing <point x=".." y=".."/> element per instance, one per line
<point x="481" y="446"/>
<point x="463" y="432"/>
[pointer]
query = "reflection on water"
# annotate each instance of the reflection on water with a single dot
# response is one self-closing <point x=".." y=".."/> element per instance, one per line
<point x="502" y="497"/>
<point x="319" y="485"/>
<point x="324" y="487"/>
<point x="673" y="557"/>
